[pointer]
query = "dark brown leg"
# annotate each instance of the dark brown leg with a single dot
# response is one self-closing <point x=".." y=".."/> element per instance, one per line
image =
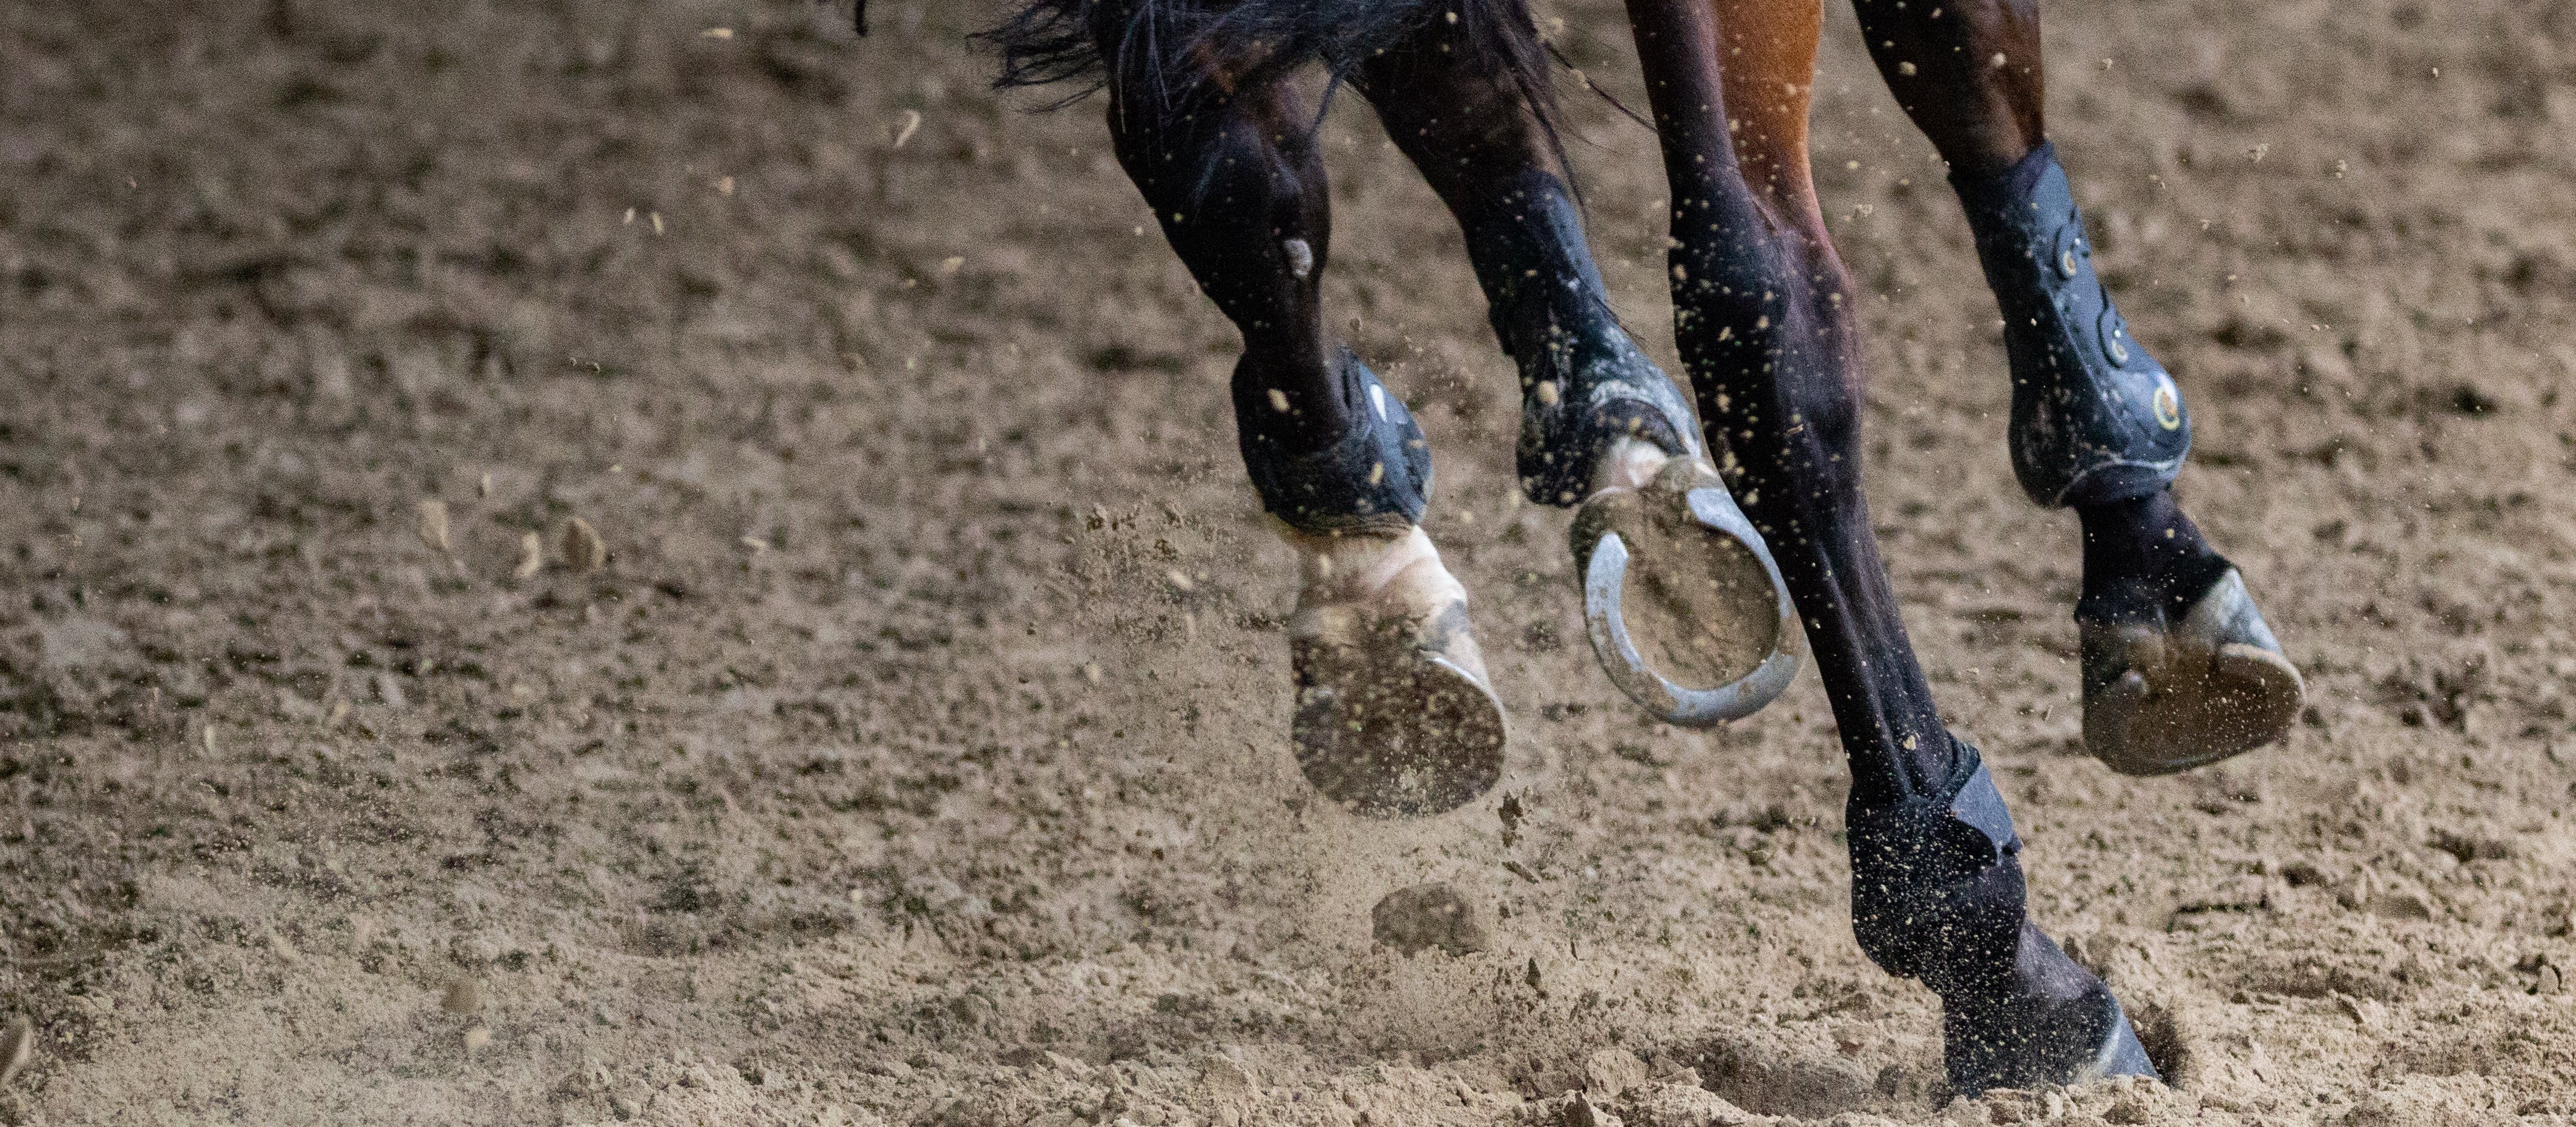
<point x="1763" y="320"/>
<point x="1765" y="327"/>
<point x="2179" y="669"/>
<point x="1966" y="71"/>
<point x="1478" y="142"/>
<point x="1235" y="181"/>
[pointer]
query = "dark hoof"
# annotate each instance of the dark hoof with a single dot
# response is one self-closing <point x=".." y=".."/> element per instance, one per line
<point x="2167" y="697"/>
<point x="2055" y="1025"/>
<point x="1681" y="598"/>
<point x="1396" y="725"/>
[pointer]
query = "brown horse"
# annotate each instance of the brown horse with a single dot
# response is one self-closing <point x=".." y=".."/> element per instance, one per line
<point x="1696" y="607"/>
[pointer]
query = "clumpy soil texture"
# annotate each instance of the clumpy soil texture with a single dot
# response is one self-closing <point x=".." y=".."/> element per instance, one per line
<point x="917" y="752"/>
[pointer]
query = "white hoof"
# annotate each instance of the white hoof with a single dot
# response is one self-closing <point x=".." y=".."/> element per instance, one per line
<point x="1394" y="715"/>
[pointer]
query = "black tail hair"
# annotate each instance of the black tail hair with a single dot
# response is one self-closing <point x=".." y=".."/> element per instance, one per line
<point x="1261" y="41"/>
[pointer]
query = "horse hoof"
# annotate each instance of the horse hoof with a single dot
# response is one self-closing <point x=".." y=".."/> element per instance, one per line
<point x="1394" y="716"/>
<point x="2054" y="1043"/>
<point x="1683" y="602"/>
<point x="1405" y="738"/>
<point x="2160" y="699"/>
<point x="2056" y="1024"/>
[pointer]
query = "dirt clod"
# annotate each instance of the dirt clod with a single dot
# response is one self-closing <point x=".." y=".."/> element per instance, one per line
<point x="1427" y="916"/>
<point x="583" y="550"/>
<point x="17" y="1047"/>
<point x="433" y="525"/>
<point x="1582" y="1112"/>
<point x="463" y="996"/>
<point x="1609" y="1072"/>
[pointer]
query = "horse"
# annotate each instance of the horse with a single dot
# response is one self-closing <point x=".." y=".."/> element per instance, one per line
<point x="1703" y="591"/>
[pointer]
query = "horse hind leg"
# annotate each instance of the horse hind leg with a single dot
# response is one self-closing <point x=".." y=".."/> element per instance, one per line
<point x="2179" y="668"/>
<point x="1937" y="884"/>
<point x="1394" y="713"/>
<point x="1683" y="604"/>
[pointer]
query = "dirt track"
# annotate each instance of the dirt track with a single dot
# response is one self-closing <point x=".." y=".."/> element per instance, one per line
<point x="918" y="753"/>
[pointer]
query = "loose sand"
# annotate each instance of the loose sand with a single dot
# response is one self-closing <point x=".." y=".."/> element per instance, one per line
<point x="914" y="752"/>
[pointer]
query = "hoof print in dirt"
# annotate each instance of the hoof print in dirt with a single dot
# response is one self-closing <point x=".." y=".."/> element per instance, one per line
<point x="1427" y="916"/>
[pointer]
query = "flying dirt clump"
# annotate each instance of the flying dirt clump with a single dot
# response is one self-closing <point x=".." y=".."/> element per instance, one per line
<point x="583" y="550"/>
<point x="1425" y="916"/>
<point x="464" y="996"/>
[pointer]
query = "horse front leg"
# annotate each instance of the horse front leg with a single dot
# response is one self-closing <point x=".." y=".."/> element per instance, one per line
<point x="1682" y="601"/>
<point x="2179" y="668"/>
<point x="1765" y="325"/>
<point x="1393" y="714"/>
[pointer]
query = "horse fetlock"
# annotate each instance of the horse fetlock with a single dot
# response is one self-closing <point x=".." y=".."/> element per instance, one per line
<point x="1589" y="402"/>
<point x="1375" y="478"/>
<point x="1584" y="384"/>
<point x="2094" y="418"/>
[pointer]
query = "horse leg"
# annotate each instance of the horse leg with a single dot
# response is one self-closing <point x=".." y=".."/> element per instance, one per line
<point x="1764" y="323"/>
<point x="2179" y="668"/>
<point x="1700" y="632"/>
<point x="1393" y="715"/>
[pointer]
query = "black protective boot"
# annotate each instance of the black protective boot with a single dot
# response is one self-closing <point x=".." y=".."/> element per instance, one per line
<point x="2094" y="418"/>
<point x="1937" y="896"/>
<point x="1376" y="478"/>
<point x="1584" y="384"/>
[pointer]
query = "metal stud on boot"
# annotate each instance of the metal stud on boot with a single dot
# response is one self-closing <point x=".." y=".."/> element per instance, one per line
<point x="1394" y="715"/>
<point x="2162" y="697"/>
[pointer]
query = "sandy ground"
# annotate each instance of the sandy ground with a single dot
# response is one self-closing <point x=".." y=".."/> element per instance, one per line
<point x="917" y="755"/>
